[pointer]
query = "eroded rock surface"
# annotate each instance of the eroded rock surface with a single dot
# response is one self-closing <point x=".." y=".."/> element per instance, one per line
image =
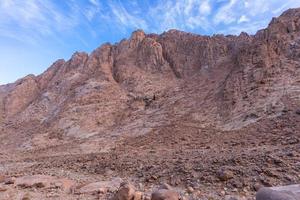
<point x="174" y="108"/>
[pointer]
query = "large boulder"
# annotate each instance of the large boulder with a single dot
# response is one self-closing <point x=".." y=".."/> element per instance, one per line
<point x="275" y="194"/>
<point x="99" y="187"/>
<point x="43" y="181"/>
<point x="125" y="192"/>
<point x="165" y="194"/>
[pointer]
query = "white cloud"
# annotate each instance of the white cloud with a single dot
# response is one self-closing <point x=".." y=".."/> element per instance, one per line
<point x="243" y="19"/>
<point x="184" y="15"/>
<point x="95" y="2"/>
<point x="34" y="19"/>
<point x="205" y="8"/>
<point x="124" y="18"/>
<point x="225" y="14"/>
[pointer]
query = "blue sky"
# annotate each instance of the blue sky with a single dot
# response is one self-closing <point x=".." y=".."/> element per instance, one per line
<point x="35" y="33"/>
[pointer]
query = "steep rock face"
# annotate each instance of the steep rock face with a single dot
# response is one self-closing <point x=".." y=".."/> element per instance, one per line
<point x="267" y="72"/>
<point x="152" y="81"/>
<point x="188" y="54"/>
<point x="24" y="92"/>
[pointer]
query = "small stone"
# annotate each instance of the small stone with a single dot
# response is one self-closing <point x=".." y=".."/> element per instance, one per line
<point x="225" y="175"/>
<point x="257" y="186"/>
<point x="147" y="198"/>
<point x="141" y="186"/>
<point x="138" y="196"/>
<point x="165" y="186"/>
<point x="198" y="193"/>
<point x="9" y="181"/>
<point x="2" y="179"/>
<point x="3" y="188"/>
<point x="229" y="197"/>
<point x="102" y="190"/>
<point x="234" y="190"/>
<point x="52" y="195"/>
<point x="26" y="196"/>
<point x="39" y="185"/>
<point x="190" y="189"/>
<point x="58" y="185"/>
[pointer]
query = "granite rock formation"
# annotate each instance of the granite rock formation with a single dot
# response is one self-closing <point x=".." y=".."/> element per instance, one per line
<point x="155" y="94"/>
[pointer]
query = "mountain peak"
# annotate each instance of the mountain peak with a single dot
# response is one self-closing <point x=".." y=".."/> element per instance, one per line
<point x="158" y="108"/>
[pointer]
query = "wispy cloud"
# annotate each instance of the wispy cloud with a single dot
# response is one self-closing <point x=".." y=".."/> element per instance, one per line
<point x="43" y="30"/>
<point x="126" y="18"/>
<point x="225" y="14"/>
<point x="185" y="15"/>
<point x="243" y="19"/>
<point x="33" y="19"/>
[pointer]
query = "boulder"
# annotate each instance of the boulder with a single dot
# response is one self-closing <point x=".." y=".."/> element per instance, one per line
<point x="271" y="194"/>
<point x="225" y="175"/>
<point x="138" y="196"/>
<point x="9" y="181"/>
<point x="99" y="187"/>
<point x="43" y="181"/>
<point x="38" y="181"/>
<point x="126" y="192"/>
<point x="3" y="188"/>
<point x="164" y="194"/>
<point x="26" y="196"/>
<point x="165" y="186"/>
<point x="2" y="179"/>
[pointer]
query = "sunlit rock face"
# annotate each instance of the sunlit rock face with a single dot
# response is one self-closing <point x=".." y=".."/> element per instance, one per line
<point x="207" y="117"/>
<point x="150" y="81"/>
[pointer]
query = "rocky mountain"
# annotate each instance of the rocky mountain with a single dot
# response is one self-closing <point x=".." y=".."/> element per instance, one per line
<point x="142" y="106"/>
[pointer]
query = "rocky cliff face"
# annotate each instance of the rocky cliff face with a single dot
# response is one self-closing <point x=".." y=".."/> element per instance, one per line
<point x="208" y="112"/>
<point x="149" y="81"/>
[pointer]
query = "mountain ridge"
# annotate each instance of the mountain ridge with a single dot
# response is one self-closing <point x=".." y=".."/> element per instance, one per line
<point x="177" y="101"/>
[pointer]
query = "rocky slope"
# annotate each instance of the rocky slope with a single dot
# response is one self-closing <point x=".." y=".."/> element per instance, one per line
<point x="177" y="106"/>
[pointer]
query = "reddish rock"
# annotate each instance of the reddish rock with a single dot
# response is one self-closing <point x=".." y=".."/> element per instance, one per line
<point x="164" y="194"/>
<point x="125" y="192"/>
<point x="225" y="175"/>
<point x="172" y="107"/>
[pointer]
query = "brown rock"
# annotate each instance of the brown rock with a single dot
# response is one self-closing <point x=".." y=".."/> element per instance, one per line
<point x="190" y="189"/>
<point x="165" y="186"/>
<point x="103" y="190"/>
<point x="43" y="181"/>
<point x="99" y="187"/>
<point x="2" y="179"/>
<point x="125" y="192"/>
<point x="225" y="175"/>
<point x="3" y="188"/>
<point x="38" y="181"/>
<point x="10" y="180"/>
<point x="66" y="185"/>
<point x="269" y="194"/>
<point x="164" y="194"/>
<point x="26" y="196"/>
<point x="138" y="196"/>
<point x="193" y="102"/>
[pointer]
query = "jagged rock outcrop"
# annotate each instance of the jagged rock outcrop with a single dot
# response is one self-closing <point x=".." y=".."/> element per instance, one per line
<point x="241" y="79"/>
<point x="175" y="107"/>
